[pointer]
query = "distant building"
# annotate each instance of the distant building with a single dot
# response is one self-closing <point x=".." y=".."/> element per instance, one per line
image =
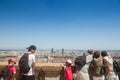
<point x="62" y="50"/>
<point x="52" y="50"/>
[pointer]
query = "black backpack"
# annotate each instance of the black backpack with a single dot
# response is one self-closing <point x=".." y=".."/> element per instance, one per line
<point x="23" y="64"/>
<point x="116" y="66"/>
<point x="5" y="73"/>
<point x="80" y="61"/>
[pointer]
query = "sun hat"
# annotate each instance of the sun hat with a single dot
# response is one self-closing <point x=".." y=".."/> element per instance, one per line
<point x="69" y="61"/>
<point x="12" y="60"/>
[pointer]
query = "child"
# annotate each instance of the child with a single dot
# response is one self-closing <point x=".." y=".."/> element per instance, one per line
<point x="68" y="70"/>
<point x="12" y="69"/>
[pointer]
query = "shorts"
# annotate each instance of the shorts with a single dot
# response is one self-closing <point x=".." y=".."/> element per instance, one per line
<point x="111" y="76"/>
<point x="24" y="77"/>
<point x="99" y="78"/>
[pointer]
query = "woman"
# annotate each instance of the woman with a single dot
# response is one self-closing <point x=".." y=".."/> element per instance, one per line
<point x="109" y="70"/>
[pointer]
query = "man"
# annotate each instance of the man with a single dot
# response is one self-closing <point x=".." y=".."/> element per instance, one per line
<point x="31" y="63"/>
<point x="82" y="66"/>
<point x="90" y="51"/>
<point x="90" y="72"/>
<point x="97" y="64"/>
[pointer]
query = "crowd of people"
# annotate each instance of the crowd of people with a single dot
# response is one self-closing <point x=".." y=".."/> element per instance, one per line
<point x="101" y="67"/>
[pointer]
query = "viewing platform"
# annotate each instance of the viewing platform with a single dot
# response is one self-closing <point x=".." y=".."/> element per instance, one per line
<point x="43" y="71"/>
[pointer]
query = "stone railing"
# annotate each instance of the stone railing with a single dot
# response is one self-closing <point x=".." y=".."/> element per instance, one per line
<point x="43" y="71"/>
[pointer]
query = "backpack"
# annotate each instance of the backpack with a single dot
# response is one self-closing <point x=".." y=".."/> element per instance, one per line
<point x="97" y="65"/>
<point x="116" y="66"/>
<point x="80" y="61"/>
<point x="5" y="73"/>
<point x="23" y="64"/>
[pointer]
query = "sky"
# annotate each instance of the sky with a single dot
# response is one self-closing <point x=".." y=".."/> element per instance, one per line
<point x="69" y="24"/>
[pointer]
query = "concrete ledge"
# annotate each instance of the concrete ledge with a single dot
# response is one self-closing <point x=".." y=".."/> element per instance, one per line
<point x="43" y="71"/>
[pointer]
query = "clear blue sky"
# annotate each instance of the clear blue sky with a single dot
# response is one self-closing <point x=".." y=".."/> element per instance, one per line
<point x="69" y="24"/>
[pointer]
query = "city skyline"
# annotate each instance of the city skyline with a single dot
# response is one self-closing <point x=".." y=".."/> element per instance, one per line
<point x="69" y="24"/>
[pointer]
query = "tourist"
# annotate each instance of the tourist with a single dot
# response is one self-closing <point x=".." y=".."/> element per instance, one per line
<point x="90" y="72"/>
<point x="28" y="74"/>
<point x="9" y="71"/>
<point x="83" y="68"/>
<point x="68" y="70"/>
<point x="109" y="71"/>
<point x="11" y="64"/>
<point x="97" y="66"/>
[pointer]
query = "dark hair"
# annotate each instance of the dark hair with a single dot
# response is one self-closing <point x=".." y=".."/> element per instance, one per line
<point x="68" y="64"/>
<point x="104" y="53"/>
<point x="96" y="54"/>
<point x="90" y="51"/>
<point x="31" y="47"/>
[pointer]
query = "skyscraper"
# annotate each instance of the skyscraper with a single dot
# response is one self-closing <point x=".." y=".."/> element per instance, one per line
<point x="62" y="50"/>
<point x="52" y="50"/>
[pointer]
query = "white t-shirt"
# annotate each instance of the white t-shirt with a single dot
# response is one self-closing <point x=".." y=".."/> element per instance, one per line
<point x="31" y="60"/>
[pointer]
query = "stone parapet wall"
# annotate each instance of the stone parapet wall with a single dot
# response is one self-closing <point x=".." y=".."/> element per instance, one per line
<point x="43" y="71"/>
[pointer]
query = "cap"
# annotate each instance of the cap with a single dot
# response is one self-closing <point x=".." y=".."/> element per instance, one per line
<point x="69" y="61"/>
<point x="90" y="51"/>
<point x="32" y="47"/>
<point x="12" y="60"/>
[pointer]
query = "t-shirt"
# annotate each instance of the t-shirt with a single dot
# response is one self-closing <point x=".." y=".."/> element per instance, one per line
<point x="12" y="71"/>
<point x="85" y="68"/>
<point x="68" y="73"/>
<point x="31" y="60"/>
<point x="109" y="60"/>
